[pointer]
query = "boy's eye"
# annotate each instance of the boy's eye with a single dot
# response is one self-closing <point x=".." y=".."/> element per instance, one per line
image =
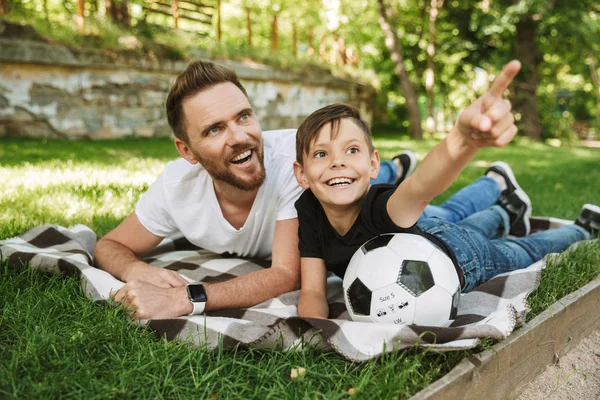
<point x="319" y="154"/>
<point x="352" y="150"/>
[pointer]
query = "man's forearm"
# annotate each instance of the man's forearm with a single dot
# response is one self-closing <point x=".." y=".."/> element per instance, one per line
<point x="251" y="289"/>
<point x="115" y="258"/>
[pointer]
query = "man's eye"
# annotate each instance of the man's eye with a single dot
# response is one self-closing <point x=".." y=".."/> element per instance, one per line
<point x="214" y="130"/>
<point x="245" y="117"/>
<point x="319" y="154"/>
<point x="352" y="150"/>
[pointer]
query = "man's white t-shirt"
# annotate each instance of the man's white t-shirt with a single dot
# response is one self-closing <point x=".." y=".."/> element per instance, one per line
<point x="183" y="200"/>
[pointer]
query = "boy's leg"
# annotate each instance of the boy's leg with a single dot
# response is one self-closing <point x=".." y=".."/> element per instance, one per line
<point x="395" y="171"/>
<point x="481" y="259"/>
<point x="477" y="196"/>
<point x="492" y="223"/>
<point x="513" y="198"/>
<point x="387" y="173"/>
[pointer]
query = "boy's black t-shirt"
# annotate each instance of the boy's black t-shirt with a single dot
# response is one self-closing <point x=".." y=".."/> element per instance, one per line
<point x="318" y="239"/>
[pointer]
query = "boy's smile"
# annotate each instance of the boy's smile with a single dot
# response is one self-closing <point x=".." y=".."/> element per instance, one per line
<point x="338" y="169"/>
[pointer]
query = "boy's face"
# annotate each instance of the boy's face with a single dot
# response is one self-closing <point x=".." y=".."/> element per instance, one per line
<point x="338" y="171"/>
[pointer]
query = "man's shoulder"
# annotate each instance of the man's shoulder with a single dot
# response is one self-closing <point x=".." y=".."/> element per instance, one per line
<point x="280" y="143"/>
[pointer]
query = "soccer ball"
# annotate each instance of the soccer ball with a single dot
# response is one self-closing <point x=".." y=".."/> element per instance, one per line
<point x="401" y="278"/>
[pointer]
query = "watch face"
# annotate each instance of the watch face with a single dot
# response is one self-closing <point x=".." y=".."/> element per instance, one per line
<point x="197" y="293"/>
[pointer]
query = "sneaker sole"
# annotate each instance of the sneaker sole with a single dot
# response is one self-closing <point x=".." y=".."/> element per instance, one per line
<point x="518" y="191"/>
<point x="413" y="162"/>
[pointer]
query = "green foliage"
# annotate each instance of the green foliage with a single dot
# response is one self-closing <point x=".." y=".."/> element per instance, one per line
<point x="469" y="36"/>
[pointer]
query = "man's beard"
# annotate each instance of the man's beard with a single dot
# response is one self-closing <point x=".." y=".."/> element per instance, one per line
<point x="218" y="172"/>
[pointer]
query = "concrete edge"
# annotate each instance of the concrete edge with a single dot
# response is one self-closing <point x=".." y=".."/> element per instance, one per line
<point x="502" y="371"/>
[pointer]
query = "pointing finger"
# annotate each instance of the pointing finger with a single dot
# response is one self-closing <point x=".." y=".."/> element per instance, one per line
<point x="502" y="82"/>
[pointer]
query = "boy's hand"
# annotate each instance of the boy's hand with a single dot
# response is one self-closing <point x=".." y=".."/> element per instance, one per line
<point x="488" y="121"/>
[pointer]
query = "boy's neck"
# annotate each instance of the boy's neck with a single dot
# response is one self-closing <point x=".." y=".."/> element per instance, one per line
<point x="341" y="218"/>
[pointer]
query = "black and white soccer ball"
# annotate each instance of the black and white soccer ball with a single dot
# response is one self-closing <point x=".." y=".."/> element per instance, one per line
<point x="401" y="278"/>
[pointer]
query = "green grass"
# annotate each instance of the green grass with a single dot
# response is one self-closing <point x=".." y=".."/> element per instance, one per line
<point x="56" y="343"/>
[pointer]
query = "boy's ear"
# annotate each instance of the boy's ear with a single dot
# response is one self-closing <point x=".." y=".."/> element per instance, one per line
<point x="184" y="150"/>
<point x="375" y="162"/>
<point x="299" y="174"/>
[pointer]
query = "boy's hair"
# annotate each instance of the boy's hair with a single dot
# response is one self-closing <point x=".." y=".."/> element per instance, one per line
<point x="198" y="76"/>
<point x="308" y="130"/>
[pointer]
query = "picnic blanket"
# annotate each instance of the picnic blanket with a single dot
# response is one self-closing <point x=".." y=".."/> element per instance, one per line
<point x="492" y="310"/>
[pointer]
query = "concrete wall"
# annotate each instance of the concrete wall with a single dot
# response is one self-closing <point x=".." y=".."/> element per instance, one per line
<point x="51" y="91"/>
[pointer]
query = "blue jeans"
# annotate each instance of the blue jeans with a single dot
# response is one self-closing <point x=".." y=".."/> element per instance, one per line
<point x="483" y="252"/>
<point x="387" y="173"/>
<point x="478" y="196"/>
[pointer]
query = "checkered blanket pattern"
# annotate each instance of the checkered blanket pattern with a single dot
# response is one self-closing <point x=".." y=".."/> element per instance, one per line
<point x="492" y="310"/>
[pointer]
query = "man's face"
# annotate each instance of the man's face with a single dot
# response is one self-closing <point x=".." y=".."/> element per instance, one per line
<point x="224" y="136"/>
<point x="338" y="171"/>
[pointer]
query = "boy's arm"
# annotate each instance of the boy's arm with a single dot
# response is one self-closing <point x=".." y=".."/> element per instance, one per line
<point x="487" y="122"/>
<point x="313" y="291"/>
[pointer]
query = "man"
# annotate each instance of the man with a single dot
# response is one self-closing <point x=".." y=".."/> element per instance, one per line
<point x="233" y="191"/>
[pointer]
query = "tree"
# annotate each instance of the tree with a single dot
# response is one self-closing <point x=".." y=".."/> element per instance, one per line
<point x="118" y="10"/>
<point x="395" y="48"/>
<point x="429" y="74"/>
<point x="3" y="7"/>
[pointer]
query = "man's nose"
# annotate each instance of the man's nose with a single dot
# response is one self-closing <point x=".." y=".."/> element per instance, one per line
<point x="236" y="134"/>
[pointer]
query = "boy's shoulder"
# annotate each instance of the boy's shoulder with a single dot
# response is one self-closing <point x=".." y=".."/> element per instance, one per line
<point x="308" y="201"/>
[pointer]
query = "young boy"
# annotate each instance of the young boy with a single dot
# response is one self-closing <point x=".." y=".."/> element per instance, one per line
<point x="339" y="211"/>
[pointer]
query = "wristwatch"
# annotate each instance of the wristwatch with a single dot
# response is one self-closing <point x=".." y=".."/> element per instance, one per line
<point x="197" y="296"/>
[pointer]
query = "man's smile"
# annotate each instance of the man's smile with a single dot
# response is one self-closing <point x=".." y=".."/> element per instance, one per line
<point x="242" y="157"/>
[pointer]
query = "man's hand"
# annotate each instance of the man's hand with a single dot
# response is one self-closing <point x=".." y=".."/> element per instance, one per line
<point x="146" y="301"/>
<point x="488" y="121"/>
<point x="157" y="276"/>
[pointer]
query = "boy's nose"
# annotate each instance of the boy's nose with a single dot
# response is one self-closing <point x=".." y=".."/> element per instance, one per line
<point x="338" y="163"/>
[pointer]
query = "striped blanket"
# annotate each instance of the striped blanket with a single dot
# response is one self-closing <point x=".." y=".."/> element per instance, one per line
<point x="492" y="310"/>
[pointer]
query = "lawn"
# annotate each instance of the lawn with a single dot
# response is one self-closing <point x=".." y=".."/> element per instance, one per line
<point x="56" y="343"/>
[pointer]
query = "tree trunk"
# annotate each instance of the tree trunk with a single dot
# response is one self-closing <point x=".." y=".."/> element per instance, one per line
<point x="274" y="33"/>
<point x="528" y="79"/>
<point x="342" y="51"/>
<point x="323" y="48"/>
<point x="125" y="16"/>
<point x="311" y="50"/>
<point x="596" y="80"/>
<point x="175" y="12"/>
<point x="219" y="20"/>
<point x="249" y="27"/>
<point x="80" y="15"/>
<point x="294" y="40"/>
<point x="395" y="48"/>
<point x="429" y="73"/>
<point x="108" y="12"/>
<point x="118" y="11"/>
<point x="334" y="51"/>
<point x="3" y="7"/>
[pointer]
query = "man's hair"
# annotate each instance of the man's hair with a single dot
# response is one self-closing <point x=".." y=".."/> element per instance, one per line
<point x="331" y="114"/>
<point x="198" y="76"/>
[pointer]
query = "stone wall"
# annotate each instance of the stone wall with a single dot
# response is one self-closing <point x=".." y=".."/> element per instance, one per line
<point x="50" y="91"/>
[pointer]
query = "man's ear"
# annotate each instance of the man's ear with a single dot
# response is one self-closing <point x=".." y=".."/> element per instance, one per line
<point x="299" y="174"/>
<point x="375" y="162"/>
<point x="184" y="150"/>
